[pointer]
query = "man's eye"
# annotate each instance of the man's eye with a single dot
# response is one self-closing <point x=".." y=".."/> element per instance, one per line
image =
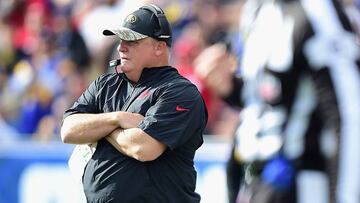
<point x="131" y="43"/>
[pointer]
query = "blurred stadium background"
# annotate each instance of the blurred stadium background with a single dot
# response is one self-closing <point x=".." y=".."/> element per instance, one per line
<point x="50" y="50"/>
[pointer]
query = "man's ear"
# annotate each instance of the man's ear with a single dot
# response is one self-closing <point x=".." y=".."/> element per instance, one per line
<point x="160" y="47"/>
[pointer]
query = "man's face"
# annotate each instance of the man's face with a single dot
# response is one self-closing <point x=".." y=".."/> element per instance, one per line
<point x="135" y="55"/>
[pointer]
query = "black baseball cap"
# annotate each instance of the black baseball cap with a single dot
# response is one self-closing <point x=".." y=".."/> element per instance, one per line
<point x="147" y="21"/>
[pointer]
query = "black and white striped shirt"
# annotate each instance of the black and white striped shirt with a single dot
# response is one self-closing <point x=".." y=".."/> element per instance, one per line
<point x="300" y="89"/>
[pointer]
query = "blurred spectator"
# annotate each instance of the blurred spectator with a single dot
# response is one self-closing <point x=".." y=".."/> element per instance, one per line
<point x="68" y="40"/>
<point x="209" y="24"/>
<point x="49" y="126"/>
<point x="36" y="105"/>
<point x="27" y="30"/>
<point x="298" y="87"/>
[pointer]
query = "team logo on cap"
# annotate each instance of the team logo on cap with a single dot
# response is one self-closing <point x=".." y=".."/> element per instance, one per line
<point x="131" y="18"/>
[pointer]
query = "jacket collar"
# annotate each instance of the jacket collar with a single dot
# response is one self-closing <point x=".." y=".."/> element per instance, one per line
<point x="149" y="74"/>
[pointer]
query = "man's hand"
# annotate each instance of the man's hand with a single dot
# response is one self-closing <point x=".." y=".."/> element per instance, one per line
<point x="216" y="66"/>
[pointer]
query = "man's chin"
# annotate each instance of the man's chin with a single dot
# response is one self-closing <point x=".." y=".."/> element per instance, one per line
<point x="124" y="68"/>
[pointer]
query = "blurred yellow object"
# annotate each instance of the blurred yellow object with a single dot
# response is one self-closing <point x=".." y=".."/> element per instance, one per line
<point x="174" y="12"/>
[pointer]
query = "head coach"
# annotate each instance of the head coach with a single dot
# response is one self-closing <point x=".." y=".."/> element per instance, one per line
<point x="147" y="120"/>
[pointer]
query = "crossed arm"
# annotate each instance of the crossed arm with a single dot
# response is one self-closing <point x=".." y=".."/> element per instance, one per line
<point x="118" y="128"/>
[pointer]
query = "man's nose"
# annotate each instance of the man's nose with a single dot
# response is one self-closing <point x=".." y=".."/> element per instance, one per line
<point x="122" y="47"/>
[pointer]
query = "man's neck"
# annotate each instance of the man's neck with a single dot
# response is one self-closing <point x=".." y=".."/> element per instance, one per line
<point x="160" y="61"/>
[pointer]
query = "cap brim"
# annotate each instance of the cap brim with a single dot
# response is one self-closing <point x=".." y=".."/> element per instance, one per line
<point x="125" y="34"/>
